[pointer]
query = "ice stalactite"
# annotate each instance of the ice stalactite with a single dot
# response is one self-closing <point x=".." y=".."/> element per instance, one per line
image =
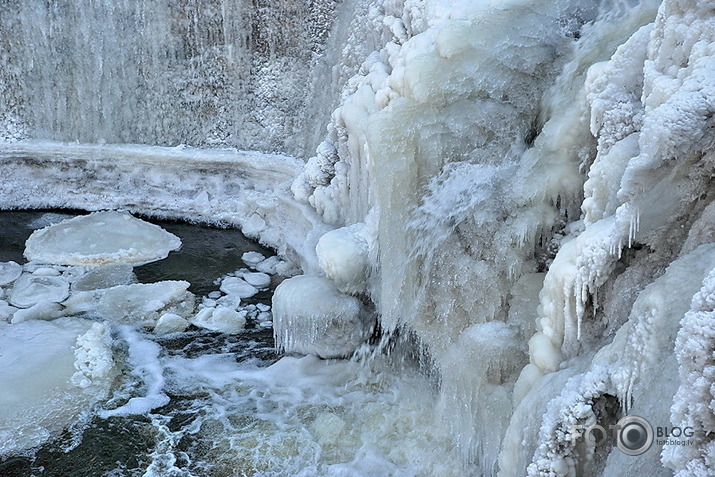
<point x="648" y="186"/>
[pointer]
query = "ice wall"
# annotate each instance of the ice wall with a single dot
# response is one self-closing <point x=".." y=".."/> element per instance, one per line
<point x="533" y="181"/>
<point x="252" y="74"/>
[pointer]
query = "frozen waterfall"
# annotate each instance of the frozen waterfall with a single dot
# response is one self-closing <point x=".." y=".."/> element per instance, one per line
<point x="517" y="193"/>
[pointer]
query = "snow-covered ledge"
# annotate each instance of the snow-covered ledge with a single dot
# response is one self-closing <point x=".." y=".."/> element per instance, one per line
<point x="247" y="189"/>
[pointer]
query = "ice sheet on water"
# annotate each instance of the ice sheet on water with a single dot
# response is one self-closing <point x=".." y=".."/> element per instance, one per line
<point x="41" y="392"/>
<point x="238" y="287"/>
<point x="100" y="238"/>
<point x="138" y="303"/>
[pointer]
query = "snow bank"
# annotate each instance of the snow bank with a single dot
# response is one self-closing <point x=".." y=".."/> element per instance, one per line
<point x="217" y="186"/>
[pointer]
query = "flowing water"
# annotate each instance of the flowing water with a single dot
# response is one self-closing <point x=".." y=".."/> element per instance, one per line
<point x="220" y="405"/>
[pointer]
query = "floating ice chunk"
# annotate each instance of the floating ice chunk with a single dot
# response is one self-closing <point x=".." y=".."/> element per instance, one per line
<point x="6" y="311"/>
<point x="38" y="395"/>
<point x="9" y="272"/>
<point x="268" y="265"/>
<point x="252" y="258"/>
<point x="137" y="303"/>
<point x="46" y="272"/>
<point x="311" y="316"/>
<point x="31" y="289"/>
<point x="228" y="301"/>
<point x="105" y="277"/>
<point x="145" y="303"/>
<point x="257" y="279"/>
<point x="42" y="310"/>
<point x="99" y="239"/>
<point x="223" y="320"/>
<point x="170" y="323"/>
<point x="342" y="254"/>
<point x="238" y="286"/>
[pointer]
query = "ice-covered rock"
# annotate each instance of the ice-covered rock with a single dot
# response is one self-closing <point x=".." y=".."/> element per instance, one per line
<point x="40" y="391"/>
<point x="100" y="238"/>
<point x="311" y="316"/>
<point x="238" y="286"/>
<point x="31" y="289"/>
<point x="221" y="319"/>
<point x="170" y="323"/>
<point x="342" y="254"/>
<point x="9" y="272"/>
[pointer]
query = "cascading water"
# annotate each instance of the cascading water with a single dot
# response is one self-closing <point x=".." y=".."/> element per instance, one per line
<point x="520" y="187"/>
<point x="246" y="74"/>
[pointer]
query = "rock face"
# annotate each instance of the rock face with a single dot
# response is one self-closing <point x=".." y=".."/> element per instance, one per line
<point x="311" y="316"/>
<point x="100" y="238"/>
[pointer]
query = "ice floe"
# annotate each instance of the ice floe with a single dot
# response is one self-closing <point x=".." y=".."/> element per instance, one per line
<point x="31" y="289"/>
<point x="100" y="238"/>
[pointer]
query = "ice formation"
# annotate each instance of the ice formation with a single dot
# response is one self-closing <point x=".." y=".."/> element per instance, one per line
<point x="343" y="256"/>
<point x="470" y="190"/>
<point x="221" y="319"/>
<point x="311" y="316"/>
<point x="521" y="190"/>
<point x="100" y="238"/>
<point x="9" y="272"/>
<point x="52" y="373"/>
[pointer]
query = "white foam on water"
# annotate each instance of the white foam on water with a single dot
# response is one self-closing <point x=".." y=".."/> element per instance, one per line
<point x="304" y="417"/>
<point x="146" y="369"/>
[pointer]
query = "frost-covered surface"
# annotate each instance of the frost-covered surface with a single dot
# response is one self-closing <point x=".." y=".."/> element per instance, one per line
<point x="466" y="184"/>
<point x="343" y="256"/>
<point x="694" y="404"/>
<point x="101" y="238"/>
<point x="522" y="188"/>
<point x="216" y="73"/>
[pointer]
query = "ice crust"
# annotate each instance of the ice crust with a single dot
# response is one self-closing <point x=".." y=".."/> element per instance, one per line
<point x="522" y="189"/>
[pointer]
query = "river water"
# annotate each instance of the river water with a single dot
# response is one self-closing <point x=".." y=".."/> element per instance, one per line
<point x="234" y="406"/>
